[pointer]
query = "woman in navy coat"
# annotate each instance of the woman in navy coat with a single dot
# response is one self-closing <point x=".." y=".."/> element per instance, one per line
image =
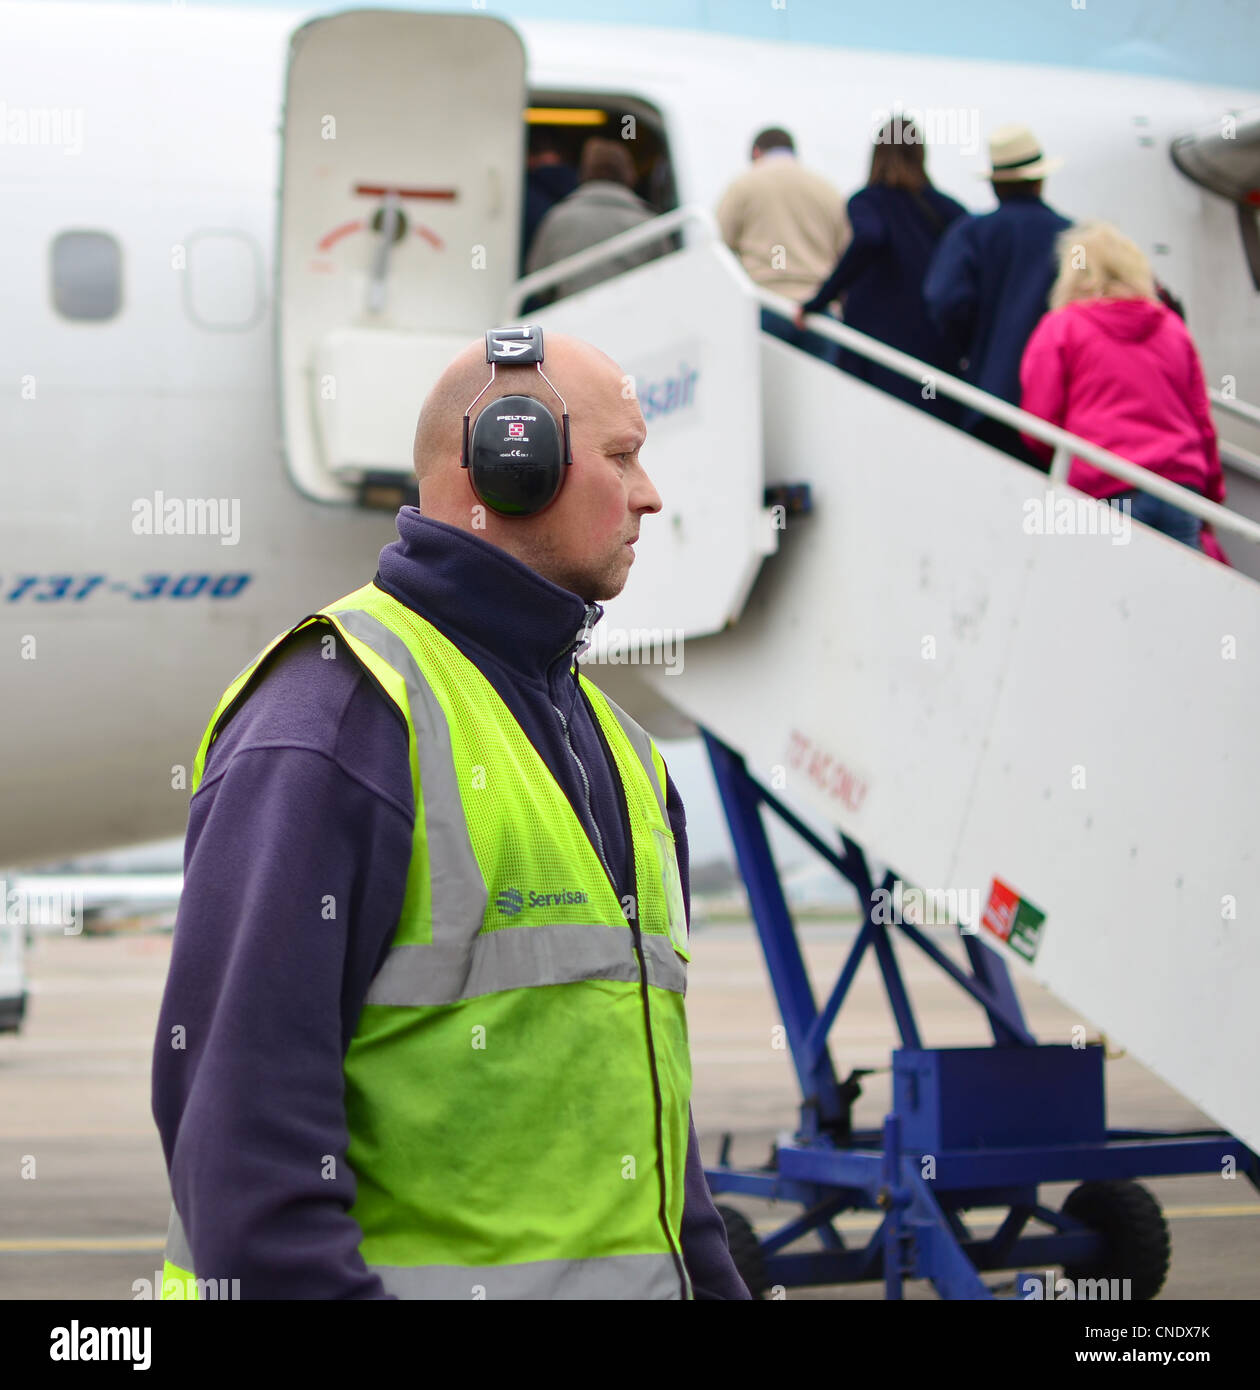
<point x="897" y="220"/>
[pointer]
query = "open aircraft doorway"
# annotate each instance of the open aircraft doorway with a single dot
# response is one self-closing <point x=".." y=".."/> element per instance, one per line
<point x="401" y="232"/>
<point x="564" y="121"/>
<point x="399" y="227"/>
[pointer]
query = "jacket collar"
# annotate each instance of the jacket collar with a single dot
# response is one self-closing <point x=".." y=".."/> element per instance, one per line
<point x="605" y="190"/>
<point x="474" y="592"/>
<point x="1023" y="203"/>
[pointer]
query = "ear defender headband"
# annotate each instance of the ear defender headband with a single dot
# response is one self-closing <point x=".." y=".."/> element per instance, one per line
<point x="515" y="453"/>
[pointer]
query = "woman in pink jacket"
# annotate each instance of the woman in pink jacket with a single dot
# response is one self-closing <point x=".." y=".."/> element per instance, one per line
<point x="1112" y="364"/>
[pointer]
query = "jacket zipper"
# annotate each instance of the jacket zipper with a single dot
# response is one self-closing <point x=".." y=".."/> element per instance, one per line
<point x="636" y="936"/>
<point x="586" y="788"/>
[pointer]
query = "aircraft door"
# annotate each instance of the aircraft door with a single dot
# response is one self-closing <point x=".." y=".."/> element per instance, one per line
<point x="403" y="146"/>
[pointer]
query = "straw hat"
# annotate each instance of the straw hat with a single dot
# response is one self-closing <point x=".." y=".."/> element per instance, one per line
<point x="1015" y="154"/>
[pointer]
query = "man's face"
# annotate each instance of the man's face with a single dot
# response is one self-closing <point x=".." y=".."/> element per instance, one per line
<point x="582" y="541"/>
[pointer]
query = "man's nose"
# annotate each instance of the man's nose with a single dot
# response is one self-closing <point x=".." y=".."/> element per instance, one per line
<point x="643" y="495"/>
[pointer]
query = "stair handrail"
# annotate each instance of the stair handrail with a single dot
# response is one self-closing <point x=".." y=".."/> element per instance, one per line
<point x="1233" y="406"/>
<point x="1240" y="460"/>
<point x="1065" y="445"/>
<point x="642" y="235"/>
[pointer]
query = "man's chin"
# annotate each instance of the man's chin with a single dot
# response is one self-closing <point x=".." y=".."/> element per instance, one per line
<point x="601" y="593"/>
<point x="608" y="583"/>
<point x="614" y="583"/>
<point x="596" y="586"/>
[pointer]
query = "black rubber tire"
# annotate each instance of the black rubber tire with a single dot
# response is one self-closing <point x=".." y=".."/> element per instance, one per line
<point x="1132" y="1225"/>
<point x="745" y="1250"/>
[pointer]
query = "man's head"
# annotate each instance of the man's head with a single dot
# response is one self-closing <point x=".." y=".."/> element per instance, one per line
<point x="543" y="149"/>
<point x="773" y="138"/>
<point x="1017" y="162"/>
<point x="580" y="541"/>
<point x="608" y="160"/>
<point x="1006" y="192"/>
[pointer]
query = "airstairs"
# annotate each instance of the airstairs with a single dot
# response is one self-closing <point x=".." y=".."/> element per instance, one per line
<point x="996" y="695"/>
<point x="1034" y="714"/>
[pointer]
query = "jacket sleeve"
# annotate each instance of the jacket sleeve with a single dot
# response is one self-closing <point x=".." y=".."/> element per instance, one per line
<point x="730" y="217"/>
<point x="543" y="251"/>
<point x="951" y="288"/>
<point x="705" y="1250"/>
<point x="1043" y="378"/>
<point x="1201" y="408"/>
<point x="541" y="254"/>
<point x="844" y="228"/>
<point x="870" y="234"/>
<point x="294" y="877"/>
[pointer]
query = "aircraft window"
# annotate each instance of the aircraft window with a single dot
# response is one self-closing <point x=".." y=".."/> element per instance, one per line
<point x="86" y="275"/>
<point x="223" y="280"/>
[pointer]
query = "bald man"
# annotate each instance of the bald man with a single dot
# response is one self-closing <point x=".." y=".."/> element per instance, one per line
<point x="582" y="542"/>
<point x="307" y="799"/>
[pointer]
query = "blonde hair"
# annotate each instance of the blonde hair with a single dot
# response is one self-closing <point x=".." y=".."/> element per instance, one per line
<point x="1096" y="261"/>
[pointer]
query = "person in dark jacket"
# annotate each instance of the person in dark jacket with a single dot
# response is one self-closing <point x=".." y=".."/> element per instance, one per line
<point x="548" y="179"/>
<point x="307" y="797"/>
<point x="990" y="279"/>
<point x="897" y="220"/>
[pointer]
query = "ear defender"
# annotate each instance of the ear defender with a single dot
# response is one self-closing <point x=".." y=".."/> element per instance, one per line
<point x="516" y="454"/>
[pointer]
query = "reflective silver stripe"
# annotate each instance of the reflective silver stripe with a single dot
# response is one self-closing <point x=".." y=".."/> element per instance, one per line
<point x="518" y="958"/>
<point x="459" y="891"/>
<point x="642" y="745"/>
<point x="177" y="1248"/>
<point x="613" y="1277"/>
<point x="666" y="968"/>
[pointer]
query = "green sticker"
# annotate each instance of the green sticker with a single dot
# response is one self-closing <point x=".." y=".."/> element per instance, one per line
<point x="1026" y="930"/>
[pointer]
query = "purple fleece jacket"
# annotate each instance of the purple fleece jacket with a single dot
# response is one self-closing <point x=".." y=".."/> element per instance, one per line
<point x="307" y="799"/>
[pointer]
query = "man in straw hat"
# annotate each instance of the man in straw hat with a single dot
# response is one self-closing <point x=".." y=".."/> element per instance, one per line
<point x="990" y="278"/>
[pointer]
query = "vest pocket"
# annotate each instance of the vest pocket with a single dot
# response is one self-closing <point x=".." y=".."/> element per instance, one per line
<point x="671" y="882"/>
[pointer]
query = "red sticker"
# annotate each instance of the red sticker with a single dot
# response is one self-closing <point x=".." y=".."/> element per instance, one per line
<point x="1014" y="920"/>
<point x="999" y="914"/>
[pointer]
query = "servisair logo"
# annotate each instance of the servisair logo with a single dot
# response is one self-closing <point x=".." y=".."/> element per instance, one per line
<point x="511" y="901"/>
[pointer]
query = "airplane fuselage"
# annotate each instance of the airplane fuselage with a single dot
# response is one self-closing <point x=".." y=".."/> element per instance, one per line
<point x="153" y="538"/>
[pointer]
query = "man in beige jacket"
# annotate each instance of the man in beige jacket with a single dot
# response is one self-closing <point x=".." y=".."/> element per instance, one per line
<point x="786" y="224"/>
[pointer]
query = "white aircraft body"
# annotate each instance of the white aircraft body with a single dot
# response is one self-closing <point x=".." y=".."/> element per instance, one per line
<point x="166" y="511"/>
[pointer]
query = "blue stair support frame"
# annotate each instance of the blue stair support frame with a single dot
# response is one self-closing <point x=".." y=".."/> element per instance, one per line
<point x="947" y="1103"/>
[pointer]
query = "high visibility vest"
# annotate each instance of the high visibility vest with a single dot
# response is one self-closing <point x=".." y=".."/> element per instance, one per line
<point x="517" y="1088"/>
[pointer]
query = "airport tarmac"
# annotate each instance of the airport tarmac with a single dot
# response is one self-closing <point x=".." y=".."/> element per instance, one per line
<point x="83" y="1195"/>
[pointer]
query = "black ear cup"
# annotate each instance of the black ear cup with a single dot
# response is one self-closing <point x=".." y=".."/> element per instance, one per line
<point x="516" y="456"/>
